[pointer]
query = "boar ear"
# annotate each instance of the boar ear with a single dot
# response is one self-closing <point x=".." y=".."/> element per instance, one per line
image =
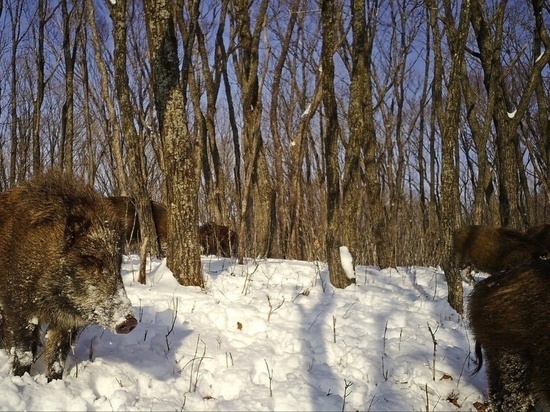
<point x="75" y="227"/>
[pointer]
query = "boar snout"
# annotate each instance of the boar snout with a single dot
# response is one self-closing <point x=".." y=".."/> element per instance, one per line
<point x="126" y="326"/>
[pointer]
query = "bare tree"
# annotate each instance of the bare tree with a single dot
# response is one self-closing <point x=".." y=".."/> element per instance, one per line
<point x="40" y="86"/>
<point x="334" y="235"/>
<point x="361" y="169"/>
<point x="70" y="48"/>
<point x="136" y="157"/>
<point x="256" y="198"/>
<point x="14" y="11"/>
<point x="457" y="35"/>
<point x="211" y="162"/>
<point x="113" y="137"/>
<point x="180" y="147"/>
<point x="281" y="230"/>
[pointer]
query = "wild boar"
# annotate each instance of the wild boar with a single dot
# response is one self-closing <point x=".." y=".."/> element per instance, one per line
<point x="218" y="240"/>
<point x="509" y="315"/>
<point x="540" y="233"/>
<point x="493" y="249"/>
<point x="125" y="209"/>
<point x="60" y="258"/>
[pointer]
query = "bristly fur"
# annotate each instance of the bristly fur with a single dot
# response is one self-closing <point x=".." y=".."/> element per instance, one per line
<point x="494" y="249"/>
<point x="125" y="211"/>
<point x="218" y="240"/>
<point x="60" y="258"/>
<point x="510" y="316"/>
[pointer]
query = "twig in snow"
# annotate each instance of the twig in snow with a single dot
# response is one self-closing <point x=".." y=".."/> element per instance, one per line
<point x="435" y="348"/>
<point x="384" y="372"/>
<point x="354" y="302"/>
<point x="248" y="279"/>
<point x="427" y="399"/>
<point x="271" y="308"/>
<point x="143" y="261"/>
<point x="270" y="376"/>
<point x="347" y="385"/>
<point x="174" y="317"/>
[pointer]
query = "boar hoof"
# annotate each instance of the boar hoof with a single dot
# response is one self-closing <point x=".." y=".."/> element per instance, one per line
<point x="127" y="326"/>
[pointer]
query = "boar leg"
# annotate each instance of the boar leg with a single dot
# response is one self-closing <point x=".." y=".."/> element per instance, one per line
<point x="509" y="386"/>
<point x="24" y="340"/>
<point x="58" y="344"/>
<point x="3" y="333"/>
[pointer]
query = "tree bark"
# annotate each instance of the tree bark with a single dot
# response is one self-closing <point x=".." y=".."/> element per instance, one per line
<point x="67" y="112"/>
<point x="361" y="149"/>
<point x="136" y="157"/>
<point x="181" y="159"/>
<point x="256" y="198"/>
<point x="449" y="124"/>
<point x="114" y="137"/>
<point x="331" y="136"/>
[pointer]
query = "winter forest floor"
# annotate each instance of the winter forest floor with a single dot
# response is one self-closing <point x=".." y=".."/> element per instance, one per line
<point x="269" y="335"/>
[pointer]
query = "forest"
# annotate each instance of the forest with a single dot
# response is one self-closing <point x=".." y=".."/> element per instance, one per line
<point x="304" y="125"/>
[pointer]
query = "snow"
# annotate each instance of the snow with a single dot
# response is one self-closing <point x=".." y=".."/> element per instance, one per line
<point x="307" y="110"/>
<point x="268" y="335"/>
<point x="347" y="262"/>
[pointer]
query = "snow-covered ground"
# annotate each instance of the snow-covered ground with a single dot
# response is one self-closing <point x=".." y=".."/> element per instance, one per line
<point x="268" y="335"/>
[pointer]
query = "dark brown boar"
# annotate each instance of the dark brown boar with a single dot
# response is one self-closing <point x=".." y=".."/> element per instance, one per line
<point x="509" y="314"/>
<point x="218" y="240"/>
<point x="126" y="211"/>
<point x="541" y="233"/>
<point x="493" y="249"/>
<point x="60" y="258"/>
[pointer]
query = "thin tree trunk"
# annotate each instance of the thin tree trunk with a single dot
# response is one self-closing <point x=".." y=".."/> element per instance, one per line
<point x="331" y="136"/>
<point x="449" y="124"/>
<point x="281" y="229"/>
<point x="67" y="112"/>
<point x="14" y="11"/>
<point x="40" y="86"/>
<point x="361" y="148"/>
<point x="256" y="198"/>
<point x="114" y="137"/>
<point x="180" y="149"/>
<point x="211" y="165"/>
<point x="136" y="157"/>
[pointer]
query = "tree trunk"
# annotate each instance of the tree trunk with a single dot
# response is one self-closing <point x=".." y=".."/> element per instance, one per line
<point x="449" y="124"/>
<point x="114" y="137"/>
<point x="281" y="230"/>
<point x="211" y="162"/>
<point x="40" y="86"/>
<point x="181" y="177"/>
<point x="256" y="198"/>
<point x="331" y="136"/>
<point x="361" y="148"/>
<point x="136" y="157"/>
<point x="14" y="10"/>
<point x="67" y="112"/>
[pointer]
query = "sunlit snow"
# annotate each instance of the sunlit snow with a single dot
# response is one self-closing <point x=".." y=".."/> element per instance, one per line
<point x="268" y="335"/>
<point x="347" y="262"/>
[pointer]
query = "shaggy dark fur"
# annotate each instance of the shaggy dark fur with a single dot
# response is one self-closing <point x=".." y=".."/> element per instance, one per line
<point x="218" y="240"/>
<point x="493" y="249"/>
<point x="126" y="211"/>
<point x="60" y="257"/>
<point x="510" y="316"/>
<point x="541" y="233"/>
